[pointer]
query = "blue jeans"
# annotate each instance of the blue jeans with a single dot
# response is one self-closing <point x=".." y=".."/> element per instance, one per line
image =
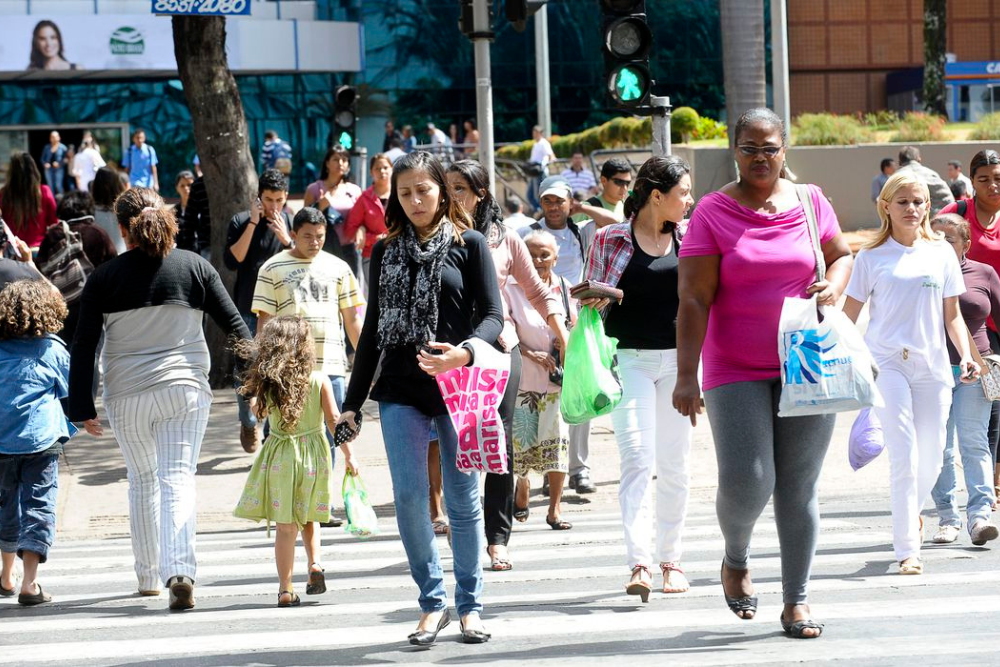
<point x="406" y="432"/>
<point x="247" y="417"/>
<point x="54" y="179"/>
<point x="29" y="484"/>
<point x="969" y="418"/>
<point x="338" y="395"/>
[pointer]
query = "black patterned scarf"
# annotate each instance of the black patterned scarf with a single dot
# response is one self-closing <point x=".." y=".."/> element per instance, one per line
<point x="408" y="299"/>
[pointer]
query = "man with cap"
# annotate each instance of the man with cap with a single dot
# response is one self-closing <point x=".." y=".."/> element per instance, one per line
<point x="574" y="240"/>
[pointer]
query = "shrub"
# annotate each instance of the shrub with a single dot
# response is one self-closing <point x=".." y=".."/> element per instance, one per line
<point x="684" y="121"/>
<point x="881" y="120"/>
<point x="988" y="128"/>
<point x="826" y="129"/>
<point x="920" y="126"/>
<point x="616" y="133"/>
<point x="709" y="128"/>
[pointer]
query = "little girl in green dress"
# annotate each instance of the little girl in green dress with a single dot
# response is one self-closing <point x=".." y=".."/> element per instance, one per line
<point x="290" y="481"/>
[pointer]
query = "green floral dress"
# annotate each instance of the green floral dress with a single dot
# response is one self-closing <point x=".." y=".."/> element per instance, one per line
<point x="290" y="479"/>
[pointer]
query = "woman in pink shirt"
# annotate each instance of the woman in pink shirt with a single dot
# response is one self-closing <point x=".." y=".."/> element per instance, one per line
<point x="335" y="196"/>
<point x="468" y="183"/>
<point x="747" y="248"/>
<point x="28" y="206"/>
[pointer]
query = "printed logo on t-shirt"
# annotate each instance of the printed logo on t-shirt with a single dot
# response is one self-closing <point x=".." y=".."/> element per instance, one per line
<point x="931" y="283"/>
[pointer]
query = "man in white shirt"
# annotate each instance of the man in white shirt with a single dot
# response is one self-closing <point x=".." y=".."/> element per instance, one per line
<point x="440" y="143"/>
<point x="955" y="175"/>
<point x="541" y="156"/>
<point x="572" y="238"/>
<point x="516" y="218"/>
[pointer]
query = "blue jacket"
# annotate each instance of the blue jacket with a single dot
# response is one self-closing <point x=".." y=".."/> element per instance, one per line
<point x="35" y="374"/>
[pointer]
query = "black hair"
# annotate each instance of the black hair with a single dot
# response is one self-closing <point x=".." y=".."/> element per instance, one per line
<point x="75" y="204"/>
<point x="36" y="60"/>
<point x="22" y="193"/>
<point x="396" y="218"/>
<point x="513" y="205"/>
<point x="487" y="219"/>
<point x="764" y="116"/>
<point x="656" y="173"/>
<point x="983" y="158"/>
<point x="308" y="216"/>
<point x="886" y="162"/>
<point x="335" y="151"/>
<point x="182" y="175"/>
<point x="615" y="165"/>
<point x="273" y="180"/>
<point x="957" y="189"/>
<point x="472" y="122"/>
<point x="957" y="164"/>
<point x="908" y="154"/>
<point x="106" y="187"/>
<point x="270" y="134"/>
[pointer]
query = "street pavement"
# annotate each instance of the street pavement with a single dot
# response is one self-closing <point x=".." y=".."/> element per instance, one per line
<point x="562" y="603"/>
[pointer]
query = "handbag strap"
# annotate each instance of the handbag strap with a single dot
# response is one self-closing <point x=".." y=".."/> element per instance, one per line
<point x="564" y="290"/>
<point x="805" y="196"/>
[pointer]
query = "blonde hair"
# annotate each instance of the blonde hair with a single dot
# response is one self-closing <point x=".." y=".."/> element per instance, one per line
<point x="889" y="190"/>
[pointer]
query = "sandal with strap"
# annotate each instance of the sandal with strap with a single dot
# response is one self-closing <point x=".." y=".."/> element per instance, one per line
<point x="499" y="563"/>
<point x="294" y="600"/>
<point x="746" y="604"/>
<point x="558" y="524"/>
<point x="440" y="527"/>
<point x="911" y="566"/>
<point x="640" y="586"/>
<point x="798" y="628"/>
<point x="317" y="582"/>
<point x="667" y="569"/>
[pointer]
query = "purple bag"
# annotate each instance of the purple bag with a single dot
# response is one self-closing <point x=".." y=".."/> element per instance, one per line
<point x="866" y="441"/>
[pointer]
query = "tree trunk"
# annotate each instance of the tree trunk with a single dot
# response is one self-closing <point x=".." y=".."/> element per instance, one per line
<point x="935" y="47"/>
<point x="221" y="137"/>
<point x="742" y="58"/>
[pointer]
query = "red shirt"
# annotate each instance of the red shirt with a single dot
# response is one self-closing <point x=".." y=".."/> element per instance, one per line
<point x="368" y="212"/>
<point x="985" y="246"/>
<point x="32" y="231"/>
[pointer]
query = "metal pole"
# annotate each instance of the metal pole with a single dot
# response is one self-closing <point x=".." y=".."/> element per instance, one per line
<point x="779" y="60"/>
<point x="484" y="87"/>
<point x="542" y="70"/>
<point x="362" y="170"/>
<point x="661" y="125"/>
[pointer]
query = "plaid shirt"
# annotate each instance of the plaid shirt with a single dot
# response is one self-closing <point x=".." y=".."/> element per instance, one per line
<point x="610" y="253"/>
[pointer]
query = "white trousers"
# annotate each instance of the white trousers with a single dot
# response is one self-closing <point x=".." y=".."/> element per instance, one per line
<point x="652" y="437"/>
<point x="160" y="434"/>
<point x="914" y="422"/>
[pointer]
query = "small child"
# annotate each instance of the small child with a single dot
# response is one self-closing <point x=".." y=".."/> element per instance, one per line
<point x="291" y="478"/>
<point x="34" y="365"/>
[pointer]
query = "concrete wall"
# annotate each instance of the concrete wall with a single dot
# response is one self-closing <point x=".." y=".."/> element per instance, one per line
<point x="844" y="172"/>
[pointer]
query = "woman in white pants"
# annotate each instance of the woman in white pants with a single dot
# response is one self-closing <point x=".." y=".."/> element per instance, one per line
<point x="912" y="280"/>
<point x="149" y="302"/>
<point x="639" y="256"/>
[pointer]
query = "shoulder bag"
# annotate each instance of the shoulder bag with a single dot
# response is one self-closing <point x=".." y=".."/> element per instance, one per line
<point x="67" y="266"/>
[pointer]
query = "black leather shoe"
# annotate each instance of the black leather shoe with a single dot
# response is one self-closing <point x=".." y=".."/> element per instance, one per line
<point x="581" y="483"/>
<point x="474" y="636"/>
<point x="426" y="637"/>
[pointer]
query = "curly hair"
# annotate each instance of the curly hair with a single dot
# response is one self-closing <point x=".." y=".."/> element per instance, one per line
<point x="30" y="309"/>
<point x="280" y="360"/>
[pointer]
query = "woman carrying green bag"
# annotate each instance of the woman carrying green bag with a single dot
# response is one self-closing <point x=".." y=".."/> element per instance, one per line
<point x="639" y="256"/>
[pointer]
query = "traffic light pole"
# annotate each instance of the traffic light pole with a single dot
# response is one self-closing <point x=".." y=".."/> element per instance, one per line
<point x="661" y="125"/>
<point x="484" y="86"/>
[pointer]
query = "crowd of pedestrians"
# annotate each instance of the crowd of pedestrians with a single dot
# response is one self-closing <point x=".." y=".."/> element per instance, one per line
<point x="424" y="273"/>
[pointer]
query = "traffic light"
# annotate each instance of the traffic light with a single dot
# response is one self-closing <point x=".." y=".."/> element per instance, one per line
<point x="627" y="42"/>
<point x="345" y="118"/>
<point x="518" y="11"/>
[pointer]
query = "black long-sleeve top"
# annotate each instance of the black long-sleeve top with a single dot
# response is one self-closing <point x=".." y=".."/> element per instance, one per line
<point x="469" y="306"/>
<point x="263" y="246"/>
<point x="150" y="310"/>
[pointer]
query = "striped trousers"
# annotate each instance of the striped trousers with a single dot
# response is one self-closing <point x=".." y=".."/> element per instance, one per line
<point x="160" y="434"/>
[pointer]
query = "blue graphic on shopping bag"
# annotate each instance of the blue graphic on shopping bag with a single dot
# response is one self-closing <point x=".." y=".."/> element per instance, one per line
<point x="816" y="372"/>
<point x="804" y="356"/>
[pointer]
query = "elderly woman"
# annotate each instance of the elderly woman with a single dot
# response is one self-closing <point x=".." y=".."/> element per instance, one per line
<point x="747" y="248"/>
<point x="541" y="437"/>
<point x="149" y="302"/>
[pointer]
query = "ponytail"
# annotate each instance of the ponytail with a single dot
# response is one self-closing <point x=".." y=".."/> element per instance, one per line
<point x="150" y="225"/>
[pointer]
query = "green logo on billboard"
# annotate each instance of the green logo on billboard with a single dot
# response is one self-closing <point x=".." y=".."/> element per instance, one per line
<point x="127" y="41"/>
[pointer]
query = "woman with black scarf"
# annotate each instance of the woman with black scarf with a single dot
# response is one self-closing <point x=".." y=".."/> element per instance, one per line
<point x="433" y="287"/>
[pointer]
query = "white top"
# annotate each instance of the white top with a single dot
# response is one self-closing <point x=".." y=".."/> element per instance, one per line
<point x="541" y="152"/>
<point x="517" y="221"/>
<point x="906" y="287"/>
<point x="570" y="262"/>
<point x="968" y="184"/>
<point x="85" y="166"/>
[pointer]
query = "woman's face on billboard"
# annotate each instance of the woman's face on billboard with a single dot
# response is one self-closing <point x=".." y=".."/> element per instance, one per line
<point x="47" y="42"/>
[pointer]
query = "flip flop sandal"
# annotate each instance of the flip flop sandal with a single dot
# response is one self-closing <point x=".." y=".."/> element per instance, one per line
<point x="745" y="604"/>
<point x="911" y="566"/>
<point x="798" y="628"/>
<point x="30" y="600"/>
<point x="295" y="600"/>
<point x="499" y="563"/>
<point x="521" y="513"/>
<point x="558" y="524"/>
<point x="668" y="569"/>
<point x="317" y="583"/>
<point x="7" y="592"/>
<point x="440" y="527"/>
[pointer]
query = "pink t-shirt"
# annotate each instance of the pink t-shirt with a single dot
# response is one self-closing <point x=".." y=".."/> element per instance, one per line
<point x="985" y="246"/>
<point x="764" y="258"/>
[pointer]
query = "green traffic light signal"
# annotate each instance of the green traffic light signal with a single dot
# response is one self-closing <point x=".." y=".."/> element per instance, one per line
<point x="346" y="140"/>
<point x="629" y="84"/>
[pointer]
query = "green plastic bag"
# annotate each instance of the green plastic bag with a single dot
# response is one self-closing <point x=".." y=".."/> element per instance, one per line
<point x="590" y="380"/>
<point x="361" y="519"/>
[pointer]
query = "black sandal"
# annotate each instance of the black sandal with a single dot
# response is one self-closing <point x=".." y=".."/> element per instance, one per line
<point x="521" y="513"/>
<point x="295" y="600"/>
<point x="558" y="524"/>
<point x="317" y="582"/>
<point x="798" y="628"/>
<point x="745" y="604"/>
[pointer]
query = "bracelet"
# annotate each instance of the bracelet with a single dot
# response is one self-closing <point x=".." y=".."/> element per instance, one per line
<point x="253" y="224"/>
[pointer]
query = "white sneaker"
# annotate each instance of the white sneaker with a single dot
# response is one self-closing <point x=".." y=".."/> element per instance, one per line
<point x="982" y="532"/>
<point x="946" y="534"/>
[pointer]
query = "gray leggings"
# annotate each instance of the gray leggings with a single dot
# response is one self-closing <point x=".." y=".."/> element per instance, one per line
<point x="761" y="454"/>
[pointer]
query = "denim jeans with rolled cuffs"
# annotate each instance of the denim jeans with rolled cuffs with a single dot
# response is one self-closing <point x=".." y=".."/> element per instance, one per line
<point x="338" y="396"/>
<point x="969" y="421"/>
<point x="247" y="417"/>
<point x="406" y="432"/>
<point x="29" y="484"/>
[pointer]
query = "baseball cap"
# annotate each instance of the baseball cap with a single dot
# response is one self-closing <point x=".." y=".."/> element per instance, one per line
<point x="555" y="185"/>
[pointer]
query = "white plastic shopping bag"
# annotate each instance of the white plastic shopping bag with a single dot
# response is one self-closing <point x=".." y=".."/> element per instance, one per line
<point x="825" y="365"/>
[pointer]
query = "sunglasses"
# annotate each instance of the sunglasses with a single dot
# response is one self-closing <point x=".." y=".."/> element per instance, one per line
<point x="752" y="151"/>
<point x="621" y="182"/>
